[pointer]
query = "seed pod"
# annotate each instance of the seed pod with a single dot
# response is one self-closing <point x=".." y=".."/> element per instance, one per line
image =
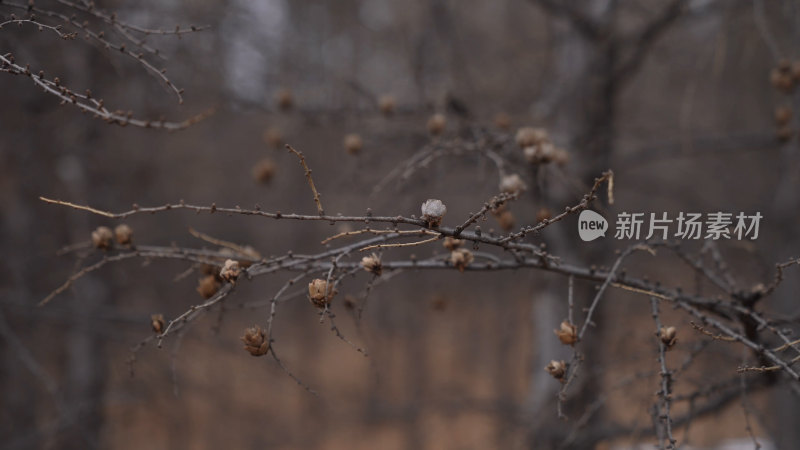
<point x="668" y="336"/>
<point x="529" y="136"/>
<point x="567" y="333"/>
<point x="436" y="124"/>
<point x="461" y="258"/>
<point x="208" y="286"/>
<point x="284" y="99"/>
<point x="452" y="243"/>
<point x="319" y="293"/>
<point x="124" y="234"/>
<point x="386" y="104"/>
<point x="263" y="171"/>
<point x="353" y="143"/>
<point x="372" y="264"/>
<point x="230" y="271"/>
<point x="255" y="341"/>
<point x="512" y="184"/>
<point x="157" y="323"/>
<point x="273" y="137"/>
<point x="433" y="211"/>
<point x="557" y="369"/>
<point x="101" y="238"/>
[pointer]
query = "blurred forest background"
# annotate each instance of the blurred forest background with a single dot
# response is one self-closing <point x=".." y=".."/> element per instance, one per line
<point x="674" y="96"/>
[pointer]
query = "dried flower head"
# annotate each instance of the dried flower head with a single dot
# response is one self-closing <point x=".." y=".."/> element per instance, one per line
<point x="433" y="211"/>
<point x="372" y="264"/>
<point x="668" y="336"/>
<point x="541" y="153"/>
<point x="386" y="104"/>
<point x="461" y="258"/>
<point x="543" y="214"/>
<point x="157" y="323"/>
<point x="502" y="121"/>
<point x="529" y="136"/>
<point x="230" y="271"/>
<point x="208" y="286"/>
<point x="124" y="234"/>
<point x="284" y="99"/>
<point x="255" y="341"/>
<point x="320" y="293"/>
<point x="557" y="369"/>
<point x="263" y="171"/>
<point x="101" y="237"/>
<point x="273" y="137"/>
<point x="451" y="243"/>
<point x="783" y="114"/>
<point x="353" y="143"/>
<point x="567" y="333"/>
<point x="512" y="184"/>
<point x="436" y="124"/>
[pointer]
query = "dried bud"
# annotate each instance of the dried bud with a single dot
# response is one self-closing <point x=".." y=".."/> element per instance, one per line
<point x="284" y="99"/>
<point x="505" y="219"/>
<point x="436" y="124"/>
<point x="386" y="104"/>
<point x="230" y="271"/>
<point x="353" y="143"/>
<point x="452" y="243"/>
<point x="273" y="137"/>
<point x="557" y="369"/>
<point x="124" y="234"/>
<point x="502" y="121"/>
<point x="433" y="211"/>
<point x="157" y="322"/>
<point x="101" y="238"/>
<point x="783" y="114"/>
<point x="529" y="136"/>
<point x="320" y="293"/>
<point x="512" y="184"/>
<point x="255" y="341"/>
<point x="567" y="333"/>
<point x="208" y="286"/>
<point x="263" y="171"/>
<point x="543" y="214"/>
<point x="372" y="264"/>
<point x="461" y="258"/>
<point x="668" y="336"/>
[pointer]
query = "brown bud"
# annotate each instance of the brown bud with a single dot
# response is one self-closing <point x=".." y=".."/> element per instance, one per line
<point x="386" y="104"/>
<point x="543" y="214"/>
<point x="255" y="341"/>
<point x="157" y="322"/>
<point x="529" y="136"/>
<point x="263" y="171"/>
<point x="668" y="336"/>
<point x="208" y="286"/>
<point x="461" y="258"/>
<point x="124" y="234"/>
<point x="502" y="121"/>
<point x="783" y="114"/>
<point x="557" y="369"/>
<point x="567" y="333"/>
<point x="101" y="238"/>
<point x="512" y="184"/>
<point x="284" y="99"/>
<point x="505" y="219"/>
<point x="372" y="264"/>
<point x="273" y="137"/>
<point x="353" y="143"/>
<point x="452" y="243"/>
<point x="320" y="293"/>
<point x="436" y="124"/>
<point x="433" y="211"/>
<point x="230" y="271"/>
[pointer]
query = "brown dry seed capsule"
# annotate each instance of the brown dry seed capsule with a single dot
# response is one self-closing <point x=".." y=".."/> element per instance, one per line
<point x="208" y="286"/>
<point x="230" y="271"/>
<point x="124" y="234"/>
<point x="157" y="322"/>
<point x="372" y="264"/>
<point x="386" y="104"/>
<point x="263" y="171"/>
<point x="433" y="211"/>
<point x="101" y="237"/>
<point x="783" y="114"/>
<point x="353" y="143"/>
<point x="452" y="243"/>
<point x="567" y="333"/>
<point x="319" y="293"/>
<point x="436" y="124"/>
<point x="668" y="336"/>
<point x="255" y="341"/>
<point x="529" y="136"/>
<point x="461" y="258"/>
<point x="557" y="369"/>
<point x="512" y="184"/>
<point x="284" y="99"/>
<point x="273" y="137"/>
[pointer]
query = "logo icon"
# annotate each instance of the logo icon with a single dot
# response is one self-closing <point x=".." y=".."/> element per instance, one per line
<point x="591" y="225"/>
